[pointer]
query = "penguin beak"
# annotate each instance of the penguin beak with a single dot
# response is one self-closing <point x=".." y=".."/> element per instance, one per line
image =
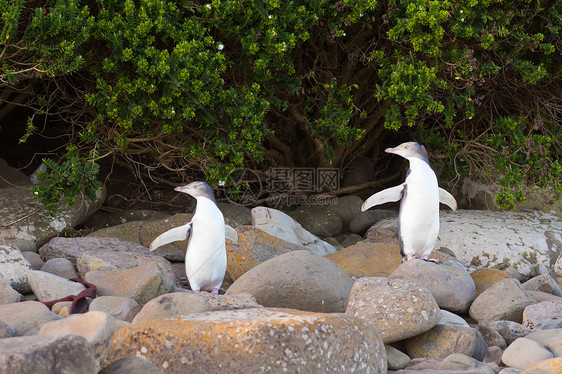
<point x="185" y="189"/>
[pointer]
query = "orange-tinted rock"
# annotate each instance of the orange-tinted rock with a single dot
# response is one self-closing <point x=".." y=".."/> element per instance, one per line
<point x="368" y="259"/>
<point x="484" y="278"/>
<point x="254" y="247"/>
<point x="254" y="340"/>
<point x="553" y="365"/>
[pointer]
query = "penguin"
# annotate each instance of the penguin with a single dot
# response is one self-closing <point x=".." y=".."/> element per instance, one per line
<point x="418" y="219"/>
<point x="205" y="257"/>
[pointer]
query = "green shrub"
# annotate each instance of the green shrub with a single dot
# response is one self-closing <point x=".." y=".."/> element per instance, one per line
<point x="179" y="89"/>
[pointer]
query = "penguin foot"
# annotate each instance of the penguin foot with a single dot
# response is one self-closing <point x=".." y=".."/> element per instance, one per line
<point x="434" y="260"/>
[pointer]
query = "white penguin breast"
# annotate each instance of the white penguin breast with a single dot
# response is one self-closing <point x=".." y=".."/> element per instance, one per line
<point x="205" y="259"/>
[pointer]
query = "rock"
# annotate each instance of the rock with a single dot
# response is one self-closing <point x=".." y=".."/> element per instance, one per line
<point x="14" y="266"/>
<point x="543" y="283"/>
<point x="47" y="286"/>
<point x="493" y="355"/>
<point x="34" y="259"/>
<point x="26" y="316"/>
<point x="347" y="207"/>
<point x="318" y="220"/>
<point x="61" y="267"/>
<point x="93" y="253"/>
<point x="235" y="215"/>
<point x="510" y="330"/>
<point x="11" y="177"/>
<point x="289" y="340"/>
<point x="553" y="365"/>
<point x="254" y="247"/>
<point x="505" y="300"/>
<point x="539" y="296"/>
<point x="550" y="339"/>
<point x="40" y="227"/>
<point x="451" y="319"/>
<point x="118" y="261"/>
<point x="282" y="226"/>
<point x="442" y="340"/>
<point x="396" y="308"/>
<point x="142" y="283"/>
<point x="350" y="240"/>
<point x="96" y="327"/>
<point x="69" y="354"/>
<point x="459" y="361"/>
<point x="297" y="280"/>
<point x="490" y="335"/>
<point x="365" y="220"/>
<point x="131" y="365"/>
<point x="449" y="282"/>
<point x="421" y="364"/>
<point x="558" y="265"/>
<point x="510" y="371"/>
<point x="7" y="294"/>
<point x="230" y="302"/>
<point x="484" y="278"/>
<point x="543" y="316"/>
<point x="528" y="240"/>
<point x="172" y="305"/>
<point x="523" y="353"/>
<point x="368" y="259"/>
<point x="116" y="306"/>
<point x="395" y="358"/>
<point x="6" y="331"/>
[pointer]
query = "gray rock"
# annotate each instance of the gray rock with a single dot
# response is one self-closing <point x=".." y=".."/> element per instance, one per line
<point x="116" y="306"/>
<point x="396" y="308"/>
<point x="255" y="340"/>
<point x="61" y="267"/>
<point x="350" y="240"/>
<point x="504" y="300"/>
<point x="26" y="317"/>
<point x="490" y="335"/>
<point x="34" y="259"/>
<point x="106" y="219"/>
<point x="142" y="283"/>
<point x="449" y="282"/>
<point x="459" y="361"/>
<point x="172" y="305"/>
<point x="442" y="341"/>
<point x="364" y="220"/>
<point x="550" y="339"/>
<point x="297" y="280"/>
<point x="14" y="266"/>
<point x="40" y="227"/>
<point x="7" y="294"/>
<point x="451" y="319"/>
<point x="543" y="283"/>
<point x="510" y="330"/>
<point x="318" y="220"/>
<point x="510" y="371"/>
<point x="558" y="265"/>
<point x="47" y="286"/>
<point x="6" y="331"/>
<point x="347" y="207"/>
<point x="543" y="316"/>
<point x="69" y="354"/>
<point x="11" y="177"/>
<point x="96" y="327"/>
<point x="396" y="359"/>
<point x="230" y="302"/>
<point x="493" y="355"/>
<point x="539" y="296"/>
<point x="235" y="215"/>
<point x="523" y="353"/>
<point x="131" y="365"/>
<point x="282" y="226"/>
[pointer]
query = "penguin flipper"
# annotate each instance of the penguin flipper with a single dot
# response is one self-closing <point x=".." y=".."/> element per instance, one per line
<point x="391" y="194"/>
<point x="172" y="235"/>
<point x="447" y="199"/>
<point x="230" y="233"/>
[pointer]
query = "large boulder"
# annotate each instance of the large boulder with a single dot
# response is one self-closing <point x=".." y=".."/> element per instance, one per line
<point x="368" y="259"/>
<point x="255" y="341"/>
<point x="529" y="241"/>
<point x="297" y="280"/>
<point x="39" y="227"/>
<point x="14" y="267"/>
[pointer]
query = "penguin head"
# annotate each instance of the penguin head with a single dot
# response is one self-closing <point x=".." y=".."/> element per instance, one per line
<point x="410" y="150"/>
<point x="197" y="189"/>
